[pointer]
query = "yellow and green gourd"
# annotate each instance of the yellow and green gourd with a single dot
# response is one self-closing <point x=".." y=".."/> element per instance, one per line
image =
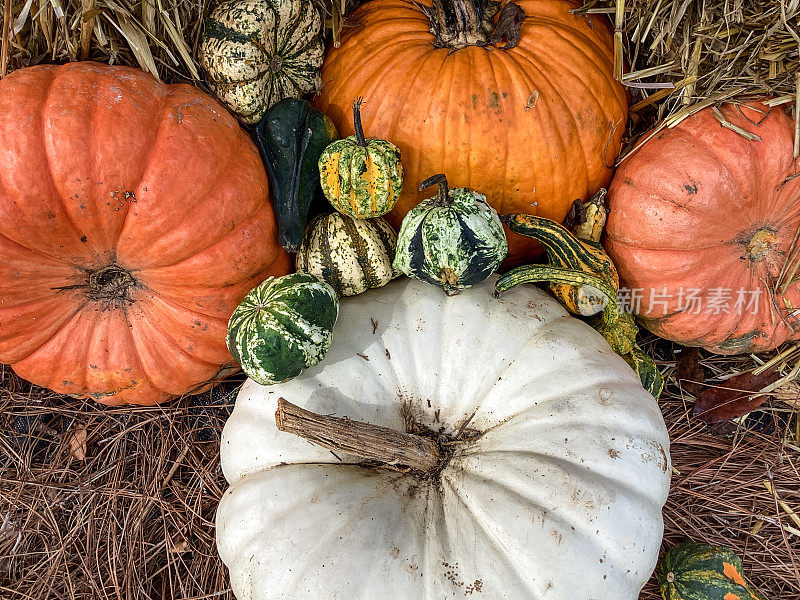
<point x="351" y="255"/>
<point x="282" y="327"/>
<point x="360" y="177"/>
<point x="453" y="240"/>
<point x="692" y="571"/>
<point x="258" y="52"/>
<point x="583" y="278"/>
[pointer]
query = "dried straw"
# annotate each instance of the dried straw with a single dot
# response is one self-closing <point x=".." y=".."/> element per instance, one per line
<point x="679" y="56"/>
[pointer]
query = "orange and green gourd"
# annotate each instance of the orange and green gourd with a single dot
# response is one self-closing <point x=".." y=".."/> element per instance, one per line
<point x="583" y="278"/>
<point x="692" y="571"/>
<point x="362" y="178"/>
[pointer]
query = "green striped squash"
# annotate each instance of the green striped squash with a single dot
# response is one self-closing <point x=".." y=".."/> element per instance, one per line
<point x="692" y="571"/>
<point x="258" y="52"/>
<point x="360" y="177"/>
<point x="453" y="240"/>
<point x="282" y="327"/>
<point x="351" y="255"/>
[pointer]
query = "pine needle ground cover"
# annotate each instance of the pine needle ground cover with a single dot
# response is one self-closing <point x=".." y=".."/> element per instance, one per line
<point x="119" y="503"/>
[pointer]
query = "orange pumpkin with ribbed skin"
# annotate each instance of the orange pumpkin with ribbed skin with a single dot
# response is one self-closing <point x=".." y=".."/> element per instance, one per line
<point x="532" y="127"/>
<point x="702" y="221"/>
<point x="134" y="217"/>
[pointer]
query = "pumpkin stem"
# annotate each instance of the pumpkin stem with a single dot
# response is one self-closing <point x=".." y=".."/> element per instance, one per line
<point x="367" y="441"/>
<point x="443" y="194"/>
<point x="360" y="139"/>
<point x="460" y="23"/>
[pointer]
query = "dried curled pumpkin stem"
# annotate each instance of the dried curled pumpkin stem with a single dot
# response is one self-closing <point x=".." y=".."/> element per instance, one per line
<point x="367" y="441"/>
<point x="457" y="24"/>
<point x="443" y="195"/>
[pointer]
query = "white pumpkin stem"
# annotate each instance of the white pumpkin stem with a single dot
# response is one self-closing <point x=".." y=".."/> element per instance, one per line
<point x="360" y="139"/>
<point x="367" y="441"/>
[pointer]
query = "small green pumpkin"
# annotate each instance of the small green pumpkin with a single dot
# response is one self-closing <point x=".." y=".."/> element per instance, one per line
<point x="282" y="327"/>
<point x="361" y="178"/>
<point x="453" y="240"/>
<point x="258" y="52"/>
<point x="692" y="571"/>
<point x="351" y="255"/>
<point x="291" y="137"/>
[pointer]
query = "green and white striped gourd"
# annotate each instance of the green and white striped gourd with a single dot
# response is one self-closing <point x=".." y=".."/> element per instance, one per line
<point x="258" y="52"/>
<point x="360" y="177"/>
<point x="282" y="327"/>
<point x="692" y="571"/>
<point x="351" y="255"/>
<point x="453" y="240"/>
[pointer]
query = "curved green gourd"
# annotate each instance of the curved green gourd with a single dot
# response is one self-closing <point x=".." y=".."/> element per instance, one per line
<point x="291" y="137"/>
<point x="282" y="327"/>
<point x="583" y="278"/>
<point x="361" y="178"/>
<point x="692" y="571"/>
<point x="351" y="255"/>
<point x="453" y="240"/>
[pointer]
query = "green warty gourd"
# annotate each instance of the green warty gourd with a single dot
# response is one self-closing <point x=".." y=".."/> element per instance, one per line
<point x="453" y="240"/>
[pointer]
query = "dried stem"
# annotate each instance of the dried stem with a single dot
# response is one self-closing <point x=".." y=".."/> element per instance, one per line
<point x="360" y="139"/>
<point x="367" y="441"/>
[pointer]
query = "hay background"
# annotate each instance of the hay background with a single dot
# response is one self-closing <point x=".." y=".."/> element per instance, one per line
<point x="134" y="519"/>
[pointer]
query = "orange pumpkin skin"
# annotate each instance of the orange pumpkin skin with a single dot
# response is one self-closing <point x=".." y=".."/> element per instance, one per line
<point x="105" y="167"/>
<point x="533" y="127"/>
<point x="699" y="207"/>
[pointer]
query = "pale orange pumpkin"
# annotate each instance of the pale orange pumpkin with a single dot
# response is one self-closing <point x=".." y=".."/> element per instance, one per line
<point x="703" y="228"/>
<point x="134" y="217"/>
<point x="533" y="127"/>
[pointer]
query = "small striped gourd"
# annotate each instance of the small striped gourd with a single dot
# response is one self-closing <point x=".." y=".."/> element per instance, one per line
<point x="351" y="255"/>
<point x="692" y="571"/>
<point x="258" y="52"/>
<point x="453" y="240"/>
<point x="360" y="177"/>
<point x="282" y="327"/>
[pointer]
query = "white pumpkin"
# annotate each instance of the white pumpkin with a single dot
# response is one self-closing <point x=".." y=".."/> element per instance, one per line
<point x="557" y="495"/>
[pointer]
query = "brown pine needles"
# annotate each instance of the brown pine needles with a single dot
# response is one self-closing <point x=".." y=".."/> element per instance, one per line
<point x="100" y="503"/>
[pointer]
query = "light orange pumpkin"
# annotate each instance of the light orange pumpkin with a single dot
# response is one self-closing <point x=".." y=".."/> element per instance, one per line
<point x="701" y="226"/>
<point x="532" y="127"/>
<point x="134" y="217"/>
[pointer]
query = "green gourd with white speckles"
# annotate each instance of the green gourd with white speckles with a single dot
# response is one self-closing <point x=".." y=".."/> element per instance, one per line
<point x="352" y="255"/>
<point x="360" y="177"/>
<point x="453" y="240"/>
<point x="258" y="52"/>
<point x="282" y="327"/>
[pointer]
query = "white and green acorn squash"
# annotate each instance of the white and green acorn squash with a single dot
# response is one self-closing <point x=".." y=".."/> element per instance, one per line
<point x="555" y="466"/>
<point x="351" y="255"/>
<point x="258" y="52"/>
<point x="453" y="240"/>
<point x="282" y="327"/>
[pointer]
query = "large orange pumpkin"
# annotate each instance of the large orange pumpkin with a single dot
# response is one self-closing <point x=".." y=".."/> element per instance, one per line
<point x="134" y="217"/>
<point x="702" y="229"/>
<point x="533" y="127"/>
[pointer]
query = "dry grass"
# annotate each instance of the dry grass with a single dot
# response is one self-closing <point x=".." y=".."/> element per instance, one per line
<point x="119" y="503"/>
<point x="679" y="56"/>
